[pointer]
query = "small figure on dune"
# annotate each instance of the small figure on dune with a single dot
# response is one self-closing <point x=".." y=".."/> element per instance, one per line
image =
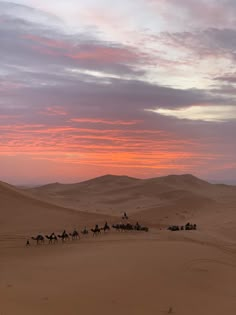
<point x="27" y="243"/>
<point x="125" y="217"/>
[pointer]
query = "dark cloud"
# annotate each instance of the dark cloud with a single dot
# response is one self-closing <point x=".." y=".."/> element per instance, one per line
<point x="229" y="78"/>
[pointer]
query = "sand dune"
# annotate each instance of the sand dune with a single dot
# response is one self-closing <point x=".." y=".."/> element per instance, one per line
<point x="159" y="272"/>
<point x="170" y="197"/>
<point x="157" y="202"/>
<point x="119" y="274"/>
<point x="21" y="214"/>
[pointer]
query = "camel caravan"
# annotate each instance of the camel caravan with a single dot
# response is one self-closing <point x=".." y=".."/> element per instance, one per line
<point x="75" y="235"/>
<point x="186" y="227"/>
<point x="124" y="226"/>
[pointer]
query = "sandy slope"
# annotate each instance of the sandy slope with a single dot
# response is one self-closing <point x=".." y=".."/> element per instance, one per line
<point x="189" y="272"/>
<point x="119" y="274"/>
<point x="22" y="216"/>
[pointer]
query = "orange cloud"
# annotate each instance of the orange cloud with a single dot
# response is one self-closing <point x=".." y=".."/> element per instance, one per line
<point x="114" y="149"/>
<point x="104" y="121"/>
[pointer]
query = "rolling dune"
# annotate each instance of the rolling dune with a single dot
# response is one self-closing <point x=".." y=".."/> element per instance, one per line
<point x="155" y="272"/>
<point x="163" y="200"/>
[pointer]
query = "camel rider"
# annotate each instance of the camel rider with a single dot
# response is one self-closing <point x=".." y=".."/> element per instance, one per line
<point x="138" y="225"/>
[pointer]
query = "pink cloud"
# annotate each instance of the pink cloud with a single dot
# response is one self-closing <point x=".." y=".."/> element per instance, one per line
<point x="105" y="54"/>
<point x="54" y="111"/>
<point x="83" y="51"/>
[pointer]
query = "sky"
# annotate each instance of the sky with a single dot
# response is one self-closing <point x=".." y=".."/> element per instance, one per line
<point x="143" y="88"/>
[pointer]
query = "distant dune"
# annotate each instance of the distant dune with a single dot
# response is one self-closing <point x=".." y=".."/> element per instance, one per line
<point x="114" y="194"/>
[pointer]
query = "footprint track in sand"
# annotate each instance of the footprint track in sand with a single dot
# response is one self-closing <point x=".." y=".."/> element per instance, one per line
<point x="199" y="264"/>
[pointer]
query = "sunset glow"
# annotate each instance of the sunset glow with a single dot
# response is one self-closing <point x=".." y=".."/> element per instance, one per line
<point x="143" y="88"/>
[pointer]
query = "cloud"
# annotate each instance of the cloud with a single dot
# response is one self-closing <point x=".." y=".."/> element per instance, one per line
<point x="228" y="78"/>
<point x="104" y="121"/>
<point x="203" y="113"/>
<point x="76" y="98"/>
<point x="42" y="46"/>
<point x="197" y="14"/>
<point x="211" y="42"/>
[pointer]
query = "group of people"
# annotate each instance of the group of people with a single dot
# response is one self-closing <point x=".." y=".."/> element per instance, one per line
<point x="64" y="236"/>
<point x="186" y="227"/>
<point x="129" y="227"/>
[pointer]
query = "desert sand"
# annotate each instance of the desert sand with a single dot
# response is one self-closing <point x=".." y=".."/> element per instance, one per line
<point x="155" y="272"/>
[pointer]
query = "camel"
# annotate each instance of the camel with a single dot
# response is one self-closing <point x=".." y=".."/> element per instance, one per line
<point x="39" y="239"/>
<point x="116" y="227"/>
<point x="64" y="236"/>
<point x="137" y="226"/>
<point x="106" y="227"/>
<point x="85" y="231"/>
<point x="173" y="228"/>
<point x="75" y="235"/>
<point x="144" y="228"/>
<point x="52" y="238"/>
<point x="190" y="226"/>
<point x="96" y="230"/>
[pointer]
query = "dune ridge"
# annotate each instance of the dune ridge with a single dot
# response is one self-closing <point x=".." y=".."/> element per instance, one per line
<point x="160" y="199"/>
